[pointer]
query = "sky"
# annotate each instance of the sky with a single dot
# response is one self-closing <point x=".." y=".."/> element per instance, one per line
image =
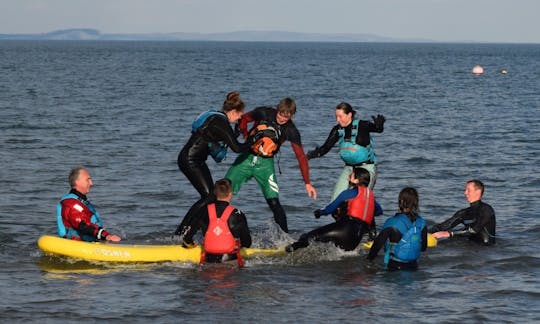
<point x="507" y="21"/>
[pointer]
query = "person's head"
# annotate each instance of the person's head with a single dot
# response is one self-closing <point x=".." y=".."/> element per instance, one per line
<point x="233" y="106"/>
<point x="474" y="189"/>
<point x="223" y="189"/>
<point x="80" y="180"/>
<point x="408" y="201"/>
<point x="344" y="114"/>
<point x="360" y="177"/>
<point x="285" y="110"/>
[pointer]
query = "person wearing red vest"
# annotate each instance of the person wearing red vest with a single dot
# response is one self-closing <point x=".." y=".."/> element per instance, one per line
<point x="225" y="227"/>
<point x="349" y="228"/>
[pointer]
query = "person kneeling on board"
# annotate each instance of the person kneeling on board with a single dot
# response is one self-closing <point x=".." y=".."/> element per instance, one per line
<point x="225" y="227"/>
<point x="403" y="236"/>
<point x="76" y="217"/>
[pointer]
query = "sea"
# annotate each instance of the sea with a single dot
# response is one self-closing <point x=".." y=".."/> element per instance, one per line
<point x="124" y="110"/>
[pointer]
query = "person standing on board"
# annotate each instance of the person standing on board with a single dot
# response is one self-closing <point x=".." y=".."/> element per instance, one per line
<point x="272" y="126"/>
<point x="76" y="217"/>
<point x="211" y="135"/>
<point x="225" y="227"/>
<point x="478" y="219"/>
<point x="347" y="231"/>
<point x="403" y="235"/>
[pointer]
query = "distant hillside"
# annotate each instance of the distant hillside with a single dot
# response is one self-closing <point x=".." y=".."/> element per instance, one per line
<point x="251" y="36"/>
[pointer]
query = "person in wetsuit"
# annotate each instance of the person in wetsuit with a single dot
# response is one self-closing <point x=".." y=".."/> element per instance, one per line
<point x="211" y="135"/>
<point x="355" y="144"/>
<point x="347" y="231"/>
<point x="403" y="235"/>
<point x="275" y="126"/>
<point x="222" y="240"/>
<point x="76" y="217"/>
<point x="478" y="219"/>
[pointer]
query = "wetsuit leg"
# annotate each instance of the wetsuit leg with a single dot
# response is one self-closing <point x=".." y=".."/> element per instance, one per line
<point x="279" y="213"/>
<point x="342" y="183"/>
<point x="345" y="234"/>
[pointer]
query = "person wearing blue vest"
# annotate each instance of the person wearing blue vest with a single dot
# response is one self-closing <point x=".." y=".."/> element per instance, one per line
<point x="403" y="236"/>
<point x="76" y="217"/>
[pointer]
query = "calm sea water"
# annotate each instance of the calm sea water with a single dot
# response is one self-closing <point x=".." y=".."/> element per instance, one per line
<point x="124" y="109"/>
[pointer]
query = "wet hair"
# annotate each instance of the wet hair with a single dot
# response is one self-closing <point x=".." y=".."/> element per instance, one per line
<point x="286" y="106"/>
<point x="408" y="202"/>
<point x="233" y="102"/>
<point x="478" y="185"/>
<point x="223" y="188"/>
<point x="346" y="108"/>
<point x="362" y="175"/>
<point x="74" y="175"/>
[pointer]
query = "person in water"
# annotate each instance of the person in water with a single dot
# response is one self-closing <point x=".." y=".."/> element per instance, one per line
<point x="211" y="135"/>
<point x="348" y="229"/>
<point x="403" y="235"/>
<point x="76" y="217"/>
<point x="225" y="227"/>
<point x="355" y="144"/>
<point x="478" y="219"/>
<point x="274" y="126"/>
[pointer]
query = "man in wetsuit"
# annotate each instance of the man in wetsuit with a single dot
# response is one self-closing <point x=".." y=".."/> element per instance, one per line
<point x="259" y="163"/>
<point x="221" y="239"/>
<point x="478" y="218"/>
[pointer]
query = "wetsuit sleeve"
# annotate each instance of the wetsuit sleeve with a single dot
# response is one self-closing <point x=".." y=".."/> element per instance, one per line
<point x="239" y="227"/>
<point x="302" y="161"/>
<point x="378" y="243"/>
<point x="78" y="217"/>
<point x="331" y="140"/>
<point x="255" y="115"/>
<point x="341" y="198"/>
<point x="450" y="223"/>
<point x="424" y="238"/>
<point x="201" y="223"/>
<point x="243" y="123"/>
<point x="220" y="127"/>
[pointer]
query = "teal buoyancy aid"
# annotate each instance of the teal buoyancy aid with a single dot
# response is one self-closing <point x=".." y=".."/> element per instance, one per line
<point x="218" y="151"/>
<point x="71" y="233"/>
<point x="409" y="246"/>
<point x="351" y="152"/>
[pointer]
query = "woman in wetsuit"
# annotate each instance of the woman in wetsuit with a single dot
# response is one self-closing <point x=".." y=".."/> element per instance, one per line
<point x="347" y="231"/>
<point x="211" y="135"/>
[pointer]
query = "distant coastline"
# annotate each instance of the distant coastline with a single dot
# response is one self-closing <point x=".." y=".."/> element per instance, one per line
<point x="82" y="34"/>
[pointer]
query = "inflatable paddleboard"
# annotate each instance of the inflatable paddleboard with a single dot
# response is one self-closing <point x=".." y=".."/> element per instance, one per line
<point x="431" y="242"/>
<point x="113" y="252"/>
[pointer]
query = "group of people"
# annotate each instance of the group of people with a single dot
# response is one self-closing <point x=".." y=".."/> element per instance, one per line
<point x="264" y="130"/>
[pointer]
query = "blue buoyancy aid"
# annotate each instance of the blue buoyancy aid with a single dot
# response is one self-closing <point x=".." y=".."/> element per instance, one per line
<point x="218" y="151"/>
<point x="71" y="233"/>
<point x="409" y="247"/>
<point x="351" y="152"/>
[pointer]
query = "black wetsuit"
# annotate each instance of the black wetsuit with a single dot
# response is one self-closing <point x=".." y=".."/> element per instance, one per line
<point x="192" y="161"/>
<point x="237" y="225"/>
<point x="479" y="221"/>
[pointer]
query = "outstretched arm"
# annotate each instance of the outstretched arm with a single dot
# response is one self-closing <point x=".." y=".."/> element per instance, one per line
<point x="304" y="169"/>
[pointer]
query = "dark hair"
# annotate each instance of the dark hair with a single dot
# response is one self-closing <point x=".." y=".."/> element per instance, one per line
<point x="74" y="175"/>
<point x="233" y="102"/>
<point x="287" y="106"/>
<point x="362" y="175"/>
<point x="223" y="188"/>
<point x="477" y="184"/>
<point x="346" y="108"/>
<point x="408" y="202"/>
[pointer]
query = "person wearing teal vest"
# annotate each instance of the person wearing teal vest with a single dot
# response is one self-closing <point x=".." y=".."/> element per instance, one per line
<point x="403" y="236"/>
<point x="76" y="217"/>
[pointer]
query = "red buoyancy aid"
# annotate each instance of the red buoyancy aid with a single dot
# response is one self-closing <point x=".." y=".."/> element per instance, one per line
<point x="362" y="206"/>
<point x="218" y="238"/>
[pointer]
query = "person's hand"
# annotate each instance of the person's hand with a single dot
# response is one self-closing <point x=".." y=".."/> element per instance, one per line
<point x="187" y="245"/>
<point x="112" y="238"/>
<point x="313" y="153"/>
<point x="379" y="120"/>
<point x="312" y="193"/>
<point x="441" y="234"/>
<point x="317" y="213"/>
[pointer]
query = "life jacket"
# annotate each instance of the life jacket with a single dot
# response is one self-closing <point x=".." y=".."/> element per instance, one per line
<point x="409" y="247"/>
<point x="218" y="151"/>
<point x="351" y="152"/>
<point x="362" y="206"/>
<point x="268" y="143"/>
<point x="218" y="238"/>
<point x="71" y="233"/>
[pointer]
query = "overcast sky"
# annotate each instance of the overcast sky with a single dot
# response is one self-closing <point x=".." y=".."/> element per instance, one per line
<point x="440" y="20"/>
